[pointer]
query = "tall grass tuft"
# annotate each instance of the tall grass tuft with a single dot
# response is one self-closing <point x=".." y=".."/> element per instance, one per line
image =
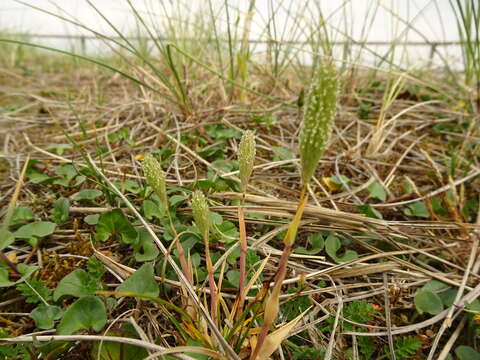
<point x="467" y="13"/>
<point x="155" y="177"/>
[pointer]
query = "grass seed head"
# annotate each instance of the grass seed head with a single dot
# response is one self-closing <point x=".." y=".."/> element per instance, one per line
<point x="246" y="157"/>
<point x="318" y="116"/>
<point x="201" y="213"/>
<point x="155" y="178"/>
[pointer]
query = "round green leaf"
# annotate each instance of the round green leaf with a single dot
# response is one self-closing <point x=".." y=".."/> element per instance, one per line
<point x="61" y="210"/>
<point x="4" y="280"/>
<point x="333" y="244"/>
<point x="152" y="210"/>
<point x="435" y="286"/>
<point x="317" y="243"/>
<point x="467" y="353"/>
<point x="6" y="238"/>
<point x="115" y="222"/>
<point x="233" y="277"/>
<point x="428" y="302"/>
<point x="36" y="229"/>
<point x="418" y="209"/>
<point x="376" y="191"/>
<point x="141" y="282"/>
<point x="45" y="316"/>
<point x="87" y="194"/>
<point x="145" y="249"/>
<point x="77" y="283"/>
<point x="21" y="215"/>
<point x="86" y="313"/>
<point x="92" y="219"/>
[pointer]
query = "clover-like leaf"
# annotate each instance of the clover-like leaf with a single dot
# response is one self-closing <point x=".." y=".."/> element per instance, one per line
<point x="281" y="153"/>
<point x="376" y="191"/>
<point x="427" y="301"/>
<point x="145" y="249"/>
<point x="4" y="280"/>
<point x="66" y="173"/>
<point x="77" y="283"/>
<point x="176" y="200"/>
<point x="129" y="185"/>
<point x="87" y="312"/>
<point x="316" y="242"/>
<point x="115" y="223"/>
<point x="418" y="209"/>
<point x="6" y="238"/>
<point x="141" y="282"/>
<point x="45" y="316"/>
<point x="87" y="194"/>
<point x="37" y="174"/>
<point x="153" y="210"/>
<point x="228" y="231"/>
<point x="60" y="148"/>
<point x="61" y="210"/>
<point x="369" y="211"/>
<point x="91" y="219"/>
<point x="464" y="352"/>
<point x="233" y="277"/>
<point x="333" y="244"/>
<point x="21" y="215"/>
<point x="38" y="229"/>
<point x="435" y="286"/>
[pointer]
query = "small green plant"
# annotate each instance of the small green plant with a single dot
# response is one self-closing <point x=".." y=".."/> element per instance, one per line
<point x="201" y="215"/>
<point x="318" y="117"/>
<point x="405" y="348"/>
<point x="433" y="297"/>
<point x="156" y="179"/>
<point x="467" y="353"/>
<point x="246" y="159"/>
<point x="34" y="232"/>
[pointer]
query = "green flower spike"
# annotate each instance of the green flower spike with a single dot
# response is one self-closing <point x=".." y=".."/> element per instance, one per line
<point x="319" y="113"/>
<point x="246" y="157"/>
<point x="155" y="178"/>
<point x="201" y="213"/>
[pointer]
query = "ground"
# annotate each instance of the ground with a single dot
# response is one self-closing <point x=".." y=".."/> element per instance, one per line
<point x="387" y="246"/>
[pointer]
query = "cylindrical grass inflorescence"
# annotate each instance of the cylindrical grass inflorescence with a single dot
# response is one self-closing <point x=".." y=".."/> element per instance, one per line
<point x="201" y="213"/>
<point x="318" y="116"/>
<point x="155" y="178"/>
<point x="246" y="157"/>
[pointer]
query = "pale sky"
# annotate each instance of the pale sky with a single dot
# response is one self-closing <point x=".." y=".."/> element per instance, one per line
<point x="371" y="20"/>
